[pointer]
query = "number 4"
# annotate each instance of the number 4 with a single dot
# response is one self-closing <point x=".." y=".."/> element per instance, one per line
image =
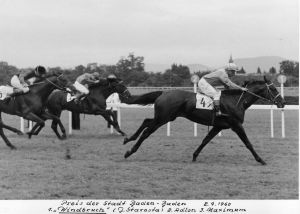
<point x="202" y="102"/>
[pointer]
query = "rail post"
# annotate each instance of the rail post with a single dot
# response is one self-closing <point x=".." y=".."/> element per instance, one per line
<point x="195" y="79"/>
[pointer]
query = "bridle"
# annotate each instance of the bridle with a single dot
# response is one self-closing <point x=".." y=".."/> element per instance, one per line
<point x="273" y="97"/>
<point x="123" y="94"/>
<point x="55" y="85"/>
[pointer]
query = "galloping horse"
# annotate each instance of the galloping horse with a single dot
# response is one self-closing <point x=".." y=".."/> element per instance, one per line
<point x="94" y="103"/>
<point x="30" y="105"/>
<point x="170" y="105"/>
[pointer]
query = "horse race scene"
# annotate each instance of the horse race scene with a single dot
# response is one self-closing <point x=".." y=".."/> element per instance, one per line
<point x="136" y="106"/>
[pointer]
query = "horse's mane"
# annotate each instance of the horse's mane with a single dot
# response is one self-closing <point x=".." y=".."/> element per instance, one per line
<point x="231" y="91"/>
<point x="253" y="82"/>
<point x="39" y="81"/>
<point x="246" y="83"/>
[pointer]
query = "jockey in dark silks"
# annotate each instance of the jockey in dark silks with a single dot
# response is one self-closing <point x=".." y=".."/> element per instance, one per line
<point x="20" y="81"/>
<point x="208" y="83"/>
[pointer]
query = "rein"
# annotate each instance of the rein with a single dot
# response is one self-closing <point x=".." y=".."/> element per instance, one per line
<point x="256" y="95"/>
<point x="57" y="86"/>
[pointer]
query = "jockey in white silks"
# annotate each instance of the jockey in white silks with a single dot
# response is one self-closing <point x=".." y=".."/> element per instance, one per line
<point x="208" y="83"/>
<point x="82" y="81"/>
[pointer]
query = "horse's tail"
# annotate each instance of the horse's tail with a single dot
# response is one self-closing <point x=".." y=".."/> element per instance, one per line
<point x="144" y="99"/>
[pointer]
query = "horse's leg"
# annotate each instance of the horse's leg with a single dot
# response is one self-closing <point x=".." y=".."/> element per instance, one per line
<point x="139" y="131"/>
<point x="7" y="142"/>
<point x="32" y="131"/>
<point x="62" y="128"/>
<point x="12" y="129"/>
<point x="146" y="133"/>
<point x="239" y="129"/>
<point x="107" y="117"/>
<point x="9" y="127"/>
<point x="212" y="133"/>
<point x="55" y="120"/>
<point x="113" y="116"/>
<point x="33" y="117"/>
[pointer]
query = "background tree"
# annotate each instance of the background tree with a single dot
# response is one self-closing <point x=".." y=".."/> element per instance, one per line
<point x="241" y="71"/>
<point x="6" y="72"/>
<point x="272" y="70"/>
<point x="258" y="70"/>
<point x="289" y="67"/>
<point x="131" y="70"/>
<point x="178" y="75"/>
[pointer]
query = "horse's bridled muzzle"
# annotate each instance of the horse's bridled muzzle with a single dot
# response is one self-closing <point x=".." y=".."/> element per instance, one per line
<point x="280" y="103"/>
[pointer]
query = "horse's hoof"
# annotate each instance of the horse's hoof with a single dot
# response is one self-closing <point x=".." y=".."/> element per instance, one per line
<point x="20" y="133"/>
<point x="126" y="140"/>
<point x="62" y="137"/>
<point x="13" y="147"/>
<point x="263" y="163"/>
<point x="127" y="154"/>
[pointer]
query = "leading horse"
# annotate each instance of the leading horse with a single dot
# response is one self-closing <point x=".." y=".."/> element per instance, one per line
<point x="31" y="105"/>
<point x="94" y="103"/>
<point x="170" y="105"/>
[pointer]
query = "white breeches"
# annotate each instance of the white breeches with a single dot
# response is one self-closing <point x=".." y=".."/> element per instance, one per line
<point x="15" y="82"/>
<point x="209" y="90"/>
<point x="81" y="88"/>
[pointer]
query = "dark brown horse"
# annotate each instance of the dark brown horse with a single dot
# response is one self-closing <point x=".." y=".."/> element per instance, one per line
<point x="94" y="103"/>
<point x="31" y="105"/>
<point x="170" y="105"/>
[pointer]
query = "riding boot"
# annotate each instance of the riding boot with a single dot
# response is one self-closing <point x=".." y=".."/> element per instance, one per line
<point x="217" y="107"/>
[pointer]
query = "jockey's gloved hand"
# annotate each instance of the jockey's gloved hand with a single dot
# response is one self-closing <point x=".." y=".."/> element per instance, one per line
<point x="244" y="89"/>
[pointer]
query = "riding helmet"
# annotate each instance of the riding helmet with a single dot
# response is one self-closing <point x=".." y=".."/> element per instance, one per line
<point x="40" y="70"/>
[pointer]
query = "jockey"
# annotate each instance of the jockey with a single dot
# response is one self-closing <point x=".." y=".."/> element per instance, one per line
<point x="208" y="83"/>
<point x="20" y="81"/>
<point x="82" y="81"/>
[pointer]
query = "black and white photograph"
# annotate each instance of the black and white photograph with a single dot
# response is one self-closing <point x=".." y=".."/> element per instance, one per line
<point x="149" y="106"/>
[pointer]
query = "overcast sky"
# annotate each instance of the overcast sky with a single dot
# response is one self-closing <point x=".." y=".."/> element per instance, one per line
<point x="72" y="32"/>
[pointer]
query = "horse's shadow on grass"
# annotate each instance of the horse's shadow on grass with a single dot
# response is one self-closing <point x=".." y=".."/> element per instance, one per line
<point x="185" y="159"/>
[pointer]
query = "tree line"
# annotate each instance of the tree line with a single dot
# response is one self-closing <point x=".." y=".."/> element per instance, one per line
<point x="131" y="70"/>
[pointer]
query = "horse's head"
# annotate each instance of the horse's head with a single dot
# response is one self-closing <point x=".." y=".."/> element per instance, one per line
<point x="268" y="91"/>
<point x="273" y="95"/>
<point x="117" y="86"/>
<point x="58" y="80"/>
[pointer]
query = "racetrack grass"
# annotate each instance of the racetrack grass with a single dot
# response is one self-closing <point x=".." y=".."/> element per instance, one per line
<point x="161" y="169"/>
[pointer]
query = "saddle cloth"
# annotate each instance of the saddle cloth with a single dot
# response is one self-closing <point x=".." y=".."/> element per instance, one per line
<point x="5" y="91"/>
<point x="204" y="102"/>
